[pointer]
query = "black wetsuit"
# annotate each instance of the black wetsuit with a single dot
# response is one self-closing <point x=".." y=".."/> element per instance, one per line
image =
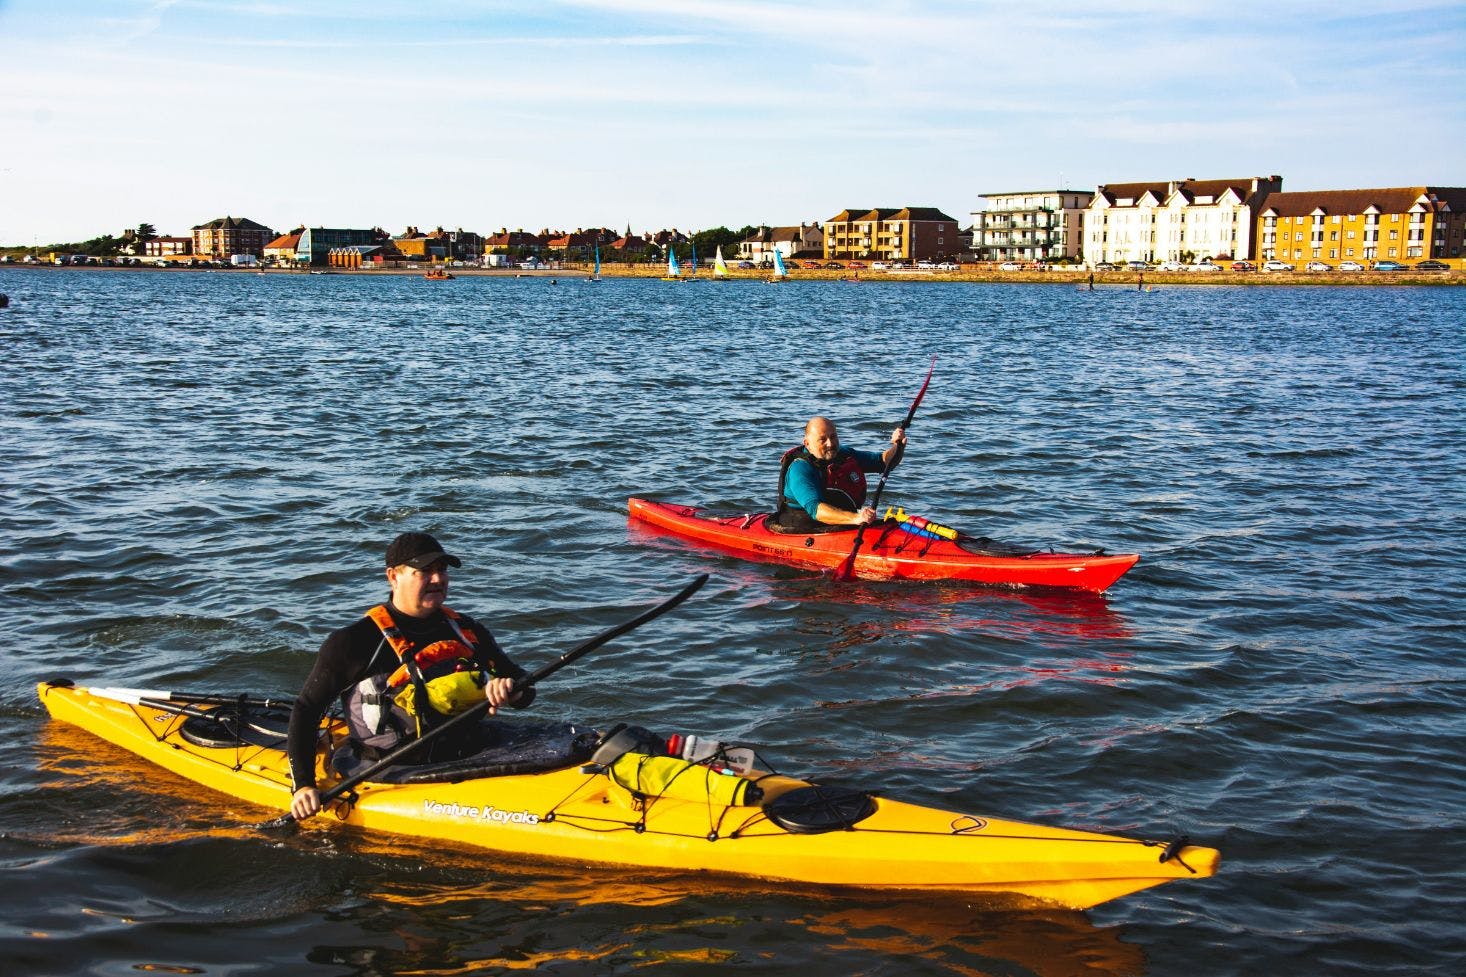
<point x="358" y="651"/>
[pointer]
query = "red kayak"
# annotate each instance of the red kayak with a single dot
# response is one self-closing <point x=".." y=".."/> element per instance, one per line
<point x="888" y="551"/>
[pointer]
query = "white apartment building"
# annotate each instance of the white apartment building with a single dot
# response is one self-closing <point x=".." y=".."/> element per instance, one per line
<point x="1181" y="220"/>
<point x="1030" y="225"/>
<point x="800" y="239"/>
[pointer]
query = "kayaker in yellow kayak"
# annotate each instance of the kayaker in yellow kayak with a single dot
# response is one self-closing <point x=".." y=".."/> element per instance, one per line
<point x="405" y="667"/>
<point x="822" y="485"/>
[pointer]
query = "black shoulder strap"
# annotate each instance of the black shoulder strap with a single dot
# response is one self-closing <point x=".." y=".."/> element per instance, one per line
<point x="790" y="456"/>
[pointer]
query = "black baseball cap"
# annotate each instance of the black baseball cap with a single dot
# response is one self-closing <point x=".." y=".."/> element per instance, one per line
<point x="418" y="550"/>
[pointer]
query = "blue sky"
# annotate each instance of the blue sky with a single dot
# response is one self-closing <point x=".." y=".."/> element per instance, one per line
<point x="694" y="113"/>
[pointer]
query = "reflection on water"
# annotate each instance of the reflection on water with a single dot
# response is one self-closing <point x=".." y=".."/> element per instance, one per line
<point x="914" y="607"/>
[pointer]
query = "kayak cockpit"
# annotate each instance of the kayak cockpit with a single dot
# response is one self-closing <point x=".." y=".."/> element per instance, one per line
<point x="510" y="746"/>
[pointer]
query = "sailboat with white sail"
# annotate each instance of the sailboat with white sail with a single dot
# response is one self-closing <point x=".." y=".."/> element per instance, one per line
<point x="720" y="267"/>
<point x="781" y="274"/>
<point x="674" y="270"/>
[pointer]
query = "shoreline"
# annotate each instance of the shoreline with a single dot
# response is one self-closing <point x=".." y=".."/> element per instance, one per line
<point x="1078" y="280"/>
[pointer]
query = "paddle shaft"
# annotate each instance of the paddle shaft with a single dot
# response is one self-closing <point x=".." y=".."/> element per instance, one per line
<point x="473" y="714"/>
<point x="196" y="698"/>
<point x="848" y="567"/>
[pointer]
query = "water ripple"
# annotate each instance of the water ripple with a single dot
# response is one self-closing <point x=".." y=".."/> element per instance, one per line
<point x="202" y="471"/>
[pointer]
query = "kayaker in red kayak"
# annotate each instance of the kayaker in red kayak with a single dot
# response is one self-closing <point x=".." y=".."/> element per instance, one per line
<point x="822" y="485"/>
<point x="406" y="666"/>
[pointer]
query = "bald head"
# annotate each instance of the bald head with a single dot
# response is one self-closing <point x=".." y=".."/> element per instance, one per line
<point x="821" y="439"/>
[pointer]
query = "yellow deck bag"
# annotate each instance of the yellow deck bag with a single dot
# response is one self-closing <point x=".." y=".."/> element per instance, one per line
<point x="664" y="776"/>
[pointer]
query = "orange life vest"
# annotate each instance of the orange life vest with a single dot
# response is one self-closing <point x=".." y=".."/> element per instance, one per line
<point x="432" y="684"/>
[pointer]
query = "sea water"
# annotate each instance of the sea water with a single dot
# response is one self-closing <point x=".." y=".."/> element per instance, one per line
<point x="202" y="471"/>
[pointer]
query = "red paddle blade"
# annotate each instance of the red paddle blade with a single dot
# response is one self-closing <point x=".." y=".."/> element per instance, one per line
<point x="921" y="393"/>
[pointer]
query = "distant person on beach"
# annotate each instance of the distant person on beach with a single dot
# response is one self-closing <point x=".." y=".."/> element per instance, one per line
<point x="1140" y="282"/>
<point x="822" y="485"/>
<point x="405" y="667"/>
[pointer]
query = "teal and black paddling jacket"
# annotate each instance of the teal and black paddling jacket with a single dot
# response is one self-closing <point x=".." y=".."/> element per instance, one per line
<point x="805" y="482"/>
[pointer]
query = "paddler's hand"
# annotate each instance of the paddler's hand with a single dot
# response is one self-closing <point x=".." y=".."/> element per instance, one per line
<point x="892" y="455"/>
<point x="305" y="803"/>
<point x="500" y="692"/>
<point x="864" y="517"/>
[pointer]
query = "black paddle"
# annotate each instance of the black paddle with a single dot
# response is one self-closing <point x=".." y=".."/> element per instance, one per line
<point x="846" y="570"/>
<point x="478" y="710"/>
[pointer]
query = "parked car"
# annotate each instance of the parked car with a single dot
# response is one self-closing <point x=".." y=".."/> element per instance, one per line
<point x="926" y="264"/>
<point x="1350" y="266"/>
<point x="1390" y="266"/>
<point x="876" y="266"/>
<point x="1010" y="266"/>
<point x="1138" y="265"/>
<point x="1432" y="266"/>
<point x="899" y="266"/>
<point x="1106" y="266"/>
<point x="948" y="266"/>
<point x="1276" y="266"/>
<point x="745" y="264"/>
<point x="1204" y="266"/>
<point x="1170" y="266"/>
<point x="1243" y="266"/>
<point x="833" y="265"/>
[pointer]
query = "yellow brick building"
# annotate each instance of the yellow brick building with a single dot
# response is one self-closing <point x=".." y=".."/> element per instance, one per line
<point x="1387" y="224"/>
<point x="908" y="234"/>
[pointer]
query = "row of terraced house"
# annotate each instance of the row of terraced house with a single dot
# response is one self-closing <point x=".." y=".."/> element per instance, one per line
<point x="1177" y="220"/>
<point x="1194" y="220"/>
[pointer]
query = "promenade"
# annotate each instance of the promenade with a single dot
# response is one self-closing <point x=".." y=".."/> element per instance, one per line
<point x="1074" y="279"/>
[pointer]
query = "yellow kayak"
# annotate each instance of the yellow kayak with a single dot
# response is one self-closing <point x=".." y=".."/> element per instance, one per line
<point x="664" y="812"/>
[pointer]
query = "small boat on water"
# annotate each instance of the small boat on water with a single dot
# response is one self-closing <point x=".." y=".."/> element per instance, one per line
<point x="438" y="275"/>
<point x="674" y="270"/>
<point x="890" y="550"/>
<point x="781" y="273"/>
<point x="720" y="267"/>
<point x="630" y="797"/>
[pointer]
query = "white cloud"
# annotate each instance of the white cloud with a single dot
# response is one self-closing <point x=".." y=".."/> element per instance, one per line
<point x="567" y="109"/>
